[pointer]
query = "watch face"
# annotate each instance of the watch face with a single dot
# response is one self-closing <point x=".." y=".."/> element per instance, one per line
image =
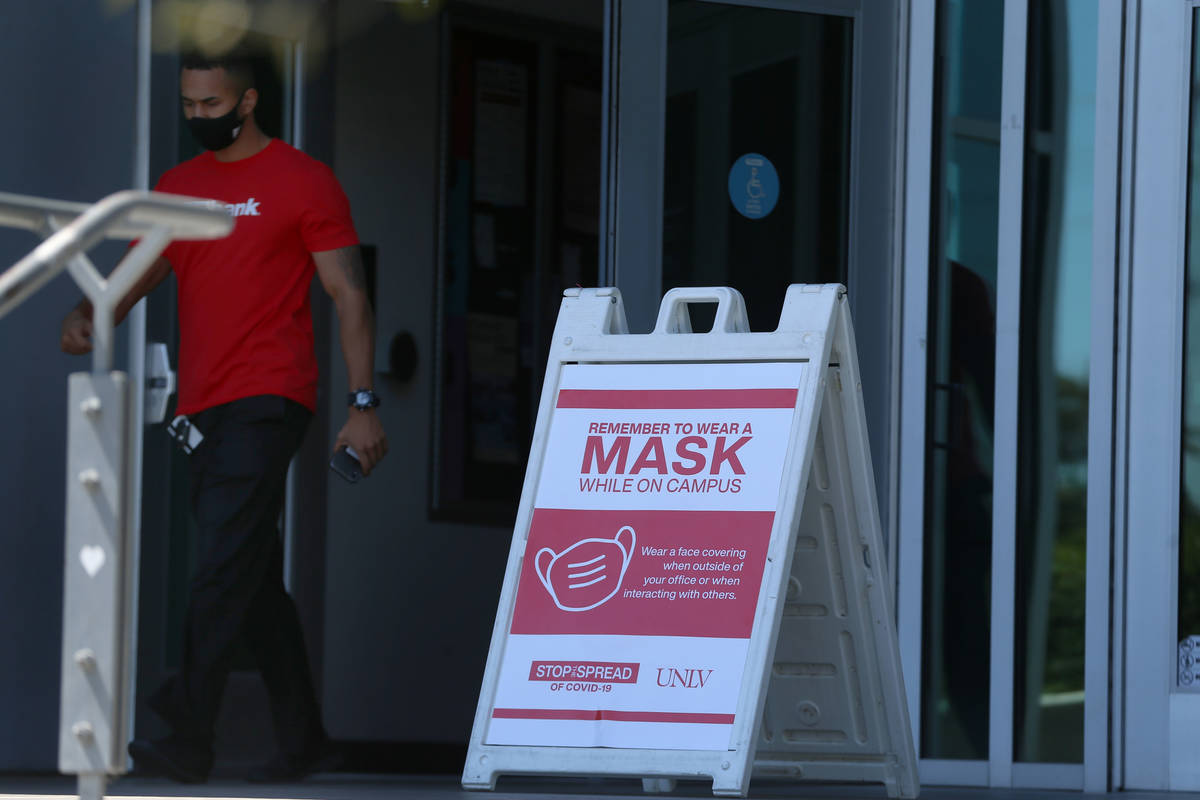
<point x="364" y="399"/>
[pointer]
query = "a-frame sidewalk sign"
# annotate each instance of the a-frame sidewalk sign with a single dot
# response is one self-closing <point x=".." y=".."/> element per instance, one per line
<point x="697" y="585"/>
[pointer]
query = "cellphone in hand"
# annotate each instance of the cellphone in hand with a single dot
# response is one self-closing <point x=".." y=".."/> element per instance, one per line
<point x="345" y="463"/>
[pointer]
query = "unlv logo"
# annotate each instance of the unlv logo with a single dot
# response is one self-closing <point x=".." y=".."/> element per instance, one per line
<point x="692" y="678"/>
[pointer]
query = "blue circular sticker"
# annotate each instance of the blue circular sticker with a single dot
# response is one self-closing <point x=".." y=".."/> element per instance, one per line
<point x="753" y="186"/>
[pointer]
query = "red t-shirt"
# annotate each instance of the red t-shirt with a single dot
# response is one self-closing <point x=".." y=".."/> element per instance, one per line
<point x="245" y="324"/>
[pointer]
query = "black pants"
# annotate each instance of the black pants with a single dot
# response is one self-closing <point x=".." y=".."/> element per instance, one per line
<point x="237" y="596"/>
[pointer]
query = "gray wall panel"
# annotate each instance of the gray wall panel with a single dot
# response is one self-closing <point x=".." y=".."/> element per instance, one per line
<point x="68" y="134"/>
<point x="409" y="603"/>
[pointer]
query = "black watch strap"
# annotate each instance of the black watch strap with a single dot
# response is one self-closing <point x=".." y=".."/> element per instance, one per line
<point x="362" y="399"/>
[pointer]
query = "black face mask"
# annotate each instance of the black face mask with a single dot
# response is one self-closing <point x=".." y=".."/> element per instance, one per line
<point x="217" y="133"/>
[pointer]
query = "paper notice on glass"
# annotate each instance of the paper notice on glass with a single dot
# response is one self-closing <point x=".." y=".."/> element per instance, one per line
<point x="501" y="109"/>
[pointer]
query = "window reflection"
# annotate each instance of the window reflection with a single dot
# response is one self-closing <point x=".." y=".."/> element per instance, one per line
<point x="958" y="551"/>
<point x="1053" y="400"/>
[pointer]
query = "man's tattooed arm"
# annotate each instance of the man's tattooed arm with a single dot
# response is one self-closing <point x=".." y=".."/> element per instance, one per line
<point x="349" y="261"/>
<point x="341" y="273"/>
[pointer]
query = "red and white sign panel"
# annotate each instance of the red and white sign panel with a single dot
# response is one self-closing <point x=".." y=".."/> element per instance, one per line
<point x="645" y="554"/>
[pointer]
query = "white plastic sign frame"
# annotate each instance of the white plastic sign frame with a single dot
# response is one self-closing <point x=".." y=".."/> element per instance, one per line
<point x="817" y="691"/>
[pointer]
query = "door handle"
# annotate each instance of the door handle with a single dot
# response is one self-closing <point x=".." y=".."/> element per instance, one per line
<point x="160" y="382"/>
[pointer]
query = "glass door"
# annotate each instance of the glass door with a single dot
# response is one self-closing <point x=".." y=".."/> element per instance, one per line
<point x="751" y="143"/>
<point x="757" y="151"/>
<point x="1004" y="577"/>
<point x="757" y="143"/>
<point x="1161" y="529"/>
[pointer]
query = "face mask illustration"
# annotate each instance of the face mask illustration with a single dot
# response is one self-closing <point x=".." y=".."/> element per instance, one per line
<point x="588" y="573"/>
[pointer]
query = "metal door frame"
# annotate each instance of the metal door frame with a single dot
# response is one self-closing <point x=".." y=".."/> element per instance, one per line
<point x="137" y="350"/>
<point x="1159" y="719"/>
<point x="999" y="770"/>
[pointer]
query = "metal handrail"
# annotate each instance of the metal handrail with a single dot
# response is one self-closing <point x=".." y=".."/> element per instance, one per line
<point x="124" y="215"/>
<point x="44" y="216"/>
<point x="98" y="586"/>
<point x="70" y="229"/>
<point x="35" y="213"/>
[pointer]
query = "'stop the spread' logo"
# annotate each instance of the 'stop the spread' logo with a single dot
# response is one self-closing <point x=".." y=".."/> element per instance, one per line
<point x="588" y="573"/>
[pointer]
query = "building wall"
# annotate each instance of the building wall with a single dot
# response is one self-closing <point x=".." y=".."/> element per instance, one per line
<point x="68" y="134"/>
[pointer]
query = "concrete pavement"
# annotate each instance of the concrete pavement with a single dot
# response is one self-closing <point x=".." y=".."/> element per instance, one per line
<point x="444" y="787"/>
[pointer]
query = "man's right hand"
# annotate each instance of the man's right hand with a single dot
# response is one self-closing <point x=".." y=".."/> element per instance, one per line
<point x="76" y="333"/>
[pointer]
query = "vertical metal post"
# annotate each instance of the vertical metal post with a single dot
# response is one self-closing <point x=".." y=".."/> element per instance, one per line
<point x="608" y="138"/>
<point x="636" y="85"/>
<point x="1008" y="370"/>
<point x="1123" y="351"/>
<point x="910" y="531"/>
<point x="95" y="581"/>
<point x="1101" y="406"/>
<point x="91" y="787"/>
<point x="137" y="363"/>
<point x="1151" y="382"/>
<point x="292" y="485"/>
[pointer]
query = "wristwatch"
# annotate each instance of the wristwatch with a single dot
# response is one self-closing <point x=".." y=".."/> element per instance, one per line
<point x="362" y="399"/>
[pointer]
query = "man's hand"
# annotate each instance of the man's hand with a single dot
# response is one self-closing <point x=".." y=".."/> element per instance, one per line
<point x="76" y="333"/>
<point x="77" y="327"/>
<point x="364" y="432"/>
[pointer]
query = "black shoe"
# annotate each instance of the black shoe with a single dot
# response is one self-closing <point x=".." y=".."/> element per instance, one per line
<point x="284" y="769"/>
<point x="177" y="759"/>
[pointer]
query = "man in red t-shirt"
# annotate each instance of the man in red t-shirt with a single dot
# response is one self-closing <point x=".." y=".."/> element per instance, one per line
<point x="248" y="383"/>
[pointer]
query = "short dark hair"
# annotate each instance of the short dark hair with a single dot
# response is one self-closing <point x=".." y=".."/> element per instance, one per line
<point x="237" y="65"/>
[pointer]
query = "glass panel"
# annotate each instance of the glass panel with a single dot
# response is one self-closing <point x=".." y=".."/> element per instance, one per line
<point x="1053" y="395"/>
<point x="1189" y="526"/>
<point x="774" y="85"/>
<point x="512" y="241"/>
<point x="958" y="543"/>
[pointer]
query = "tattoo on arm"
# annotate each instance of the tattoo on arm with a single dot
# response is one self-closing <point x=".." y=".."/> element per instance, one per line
<point x="350" y="261"/>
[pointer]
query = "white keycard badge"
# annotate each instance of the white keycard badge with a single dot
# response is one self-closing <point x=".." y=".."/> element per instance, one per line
<point x="185" y="434"/>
